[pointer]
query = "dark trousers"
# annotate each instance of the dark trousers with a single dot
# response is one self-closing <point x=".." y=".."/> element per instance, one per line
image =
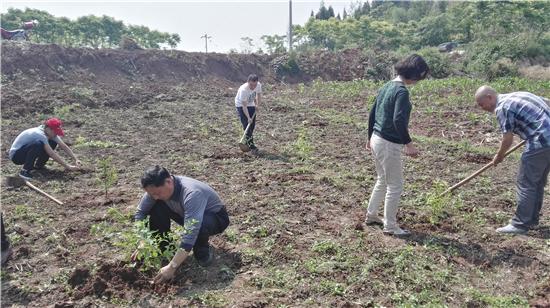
<point x="212" y="223"/>
<point x="532" y="178"/>
<point x="32" y="155"/>
<point x="5" y="243"/>
<point x="244" y="121"/>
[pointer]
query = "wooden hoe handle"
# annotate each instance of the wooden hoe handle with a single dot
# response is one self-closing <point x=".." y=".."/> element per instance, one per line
<point x="43" y="193"/>
<point x="489" y="165"/>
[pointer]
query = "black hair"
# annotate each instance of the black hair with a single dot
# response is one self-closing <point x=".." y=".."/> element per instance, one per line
<point x="412" y="67"/>
<point x="155" y="176"/>
<point x="252" y="77"/>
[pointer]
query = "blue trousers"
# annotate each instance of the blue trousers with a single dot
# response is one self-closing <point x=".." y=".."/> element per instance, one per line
<point x="212" y="223"/>
<point x="32" y="155"/>
<point x="244" y="121"/>
<point x="532" y="178"/>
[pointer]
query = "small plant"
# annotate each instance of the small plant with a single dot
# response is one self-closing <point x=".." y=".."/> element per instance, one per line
<point x="82" y="93"/>
<point x="302" y="146"/>
<point x="81" y="142"/>
<point x="139" y="238"/>
<point x="204" y="130"/>
<point x="326" y="248"/>
<point x="437" y="204"/>
<point x="64" y="112"/>
<point x="331" y="287"/>
<point x="147" y="244"/>
<point x="107" y="174"/>
<point x="210" y="299"/>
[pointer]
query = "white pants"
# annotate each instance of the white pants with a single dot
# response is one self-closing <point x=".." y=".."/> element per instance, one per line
<point x="389" y="182"/>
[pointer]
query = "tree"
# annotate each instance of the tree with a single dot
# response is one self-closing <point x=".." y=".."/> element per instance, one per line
<point x="246" y="45"/>
<point x="85" y="31"/>
<point x="330" y="12"/>
<point x="274" y="43"/>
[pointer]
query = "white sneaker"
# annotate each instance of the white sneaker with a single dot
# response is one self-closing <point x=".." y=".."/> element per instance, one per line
<point x="511" y="229"/>
<point x="373" y="220"/>
<point x="397" y="232"/>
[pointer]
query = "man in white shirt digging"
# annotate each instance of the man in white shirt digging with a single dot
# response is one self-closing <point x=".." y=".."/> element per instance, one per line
<point x="246" y="101"/>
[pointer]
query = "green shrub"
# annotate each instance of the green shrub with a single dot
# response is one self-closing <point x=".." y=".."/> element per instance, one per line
<point x="379" y="64"/>
<point x="503" y="67"/>
<point x="439" y="63"/>
<point x="286" y="65"/>
<point x="494" y="58"/>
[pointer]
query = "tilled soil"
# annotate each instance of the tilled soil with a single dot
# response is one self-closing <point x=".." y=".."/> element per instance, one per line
<point x="297" y="236"/>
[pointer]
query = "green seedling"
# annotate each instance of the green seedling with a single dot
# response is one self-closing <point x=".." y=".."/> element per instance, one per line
<point x="438" y="203"/>
<point x="107" y="174"/>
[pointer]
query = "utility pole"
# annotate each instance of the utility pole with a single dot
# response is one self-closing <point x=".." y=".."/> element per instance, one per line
<point x="206" y="38"/>
<point x="289" y="25"/>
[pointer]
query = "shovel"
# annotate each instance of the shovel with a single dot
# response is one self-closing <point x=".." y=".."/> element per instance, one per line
<point x="15" y="181"/>
<point x="466" y="180"/>
<point x="242" y="144"/>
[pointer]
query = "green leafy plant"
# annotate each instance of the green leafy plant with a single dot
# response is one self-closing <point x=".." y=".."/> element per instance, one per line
<point x="139" y="238"/>
<point x="82" y="142"/>
<point x="147" y="244"/>
<point x="302" y="146"/>
<point x="64" y="112"/>
<point x="438" y="204"/>
<point x="107" y="174"/>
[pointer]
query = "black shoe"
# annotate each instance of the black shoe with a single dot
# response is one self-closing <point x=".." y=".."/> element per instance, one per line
<point x="6" y="254"/>
<point x="208" y="260"/>
<point x="25" y="175"/>
<point x="40" y="168"/>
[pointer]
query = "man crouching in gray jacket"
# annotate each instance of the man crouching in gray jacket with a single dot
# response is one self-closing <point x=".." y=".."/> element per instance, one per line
<point x="190" y="203"/>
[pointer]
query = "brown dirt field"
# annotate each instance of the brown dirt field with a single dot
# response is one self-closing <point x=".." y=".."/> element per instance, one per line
<point x="296" y="236"/>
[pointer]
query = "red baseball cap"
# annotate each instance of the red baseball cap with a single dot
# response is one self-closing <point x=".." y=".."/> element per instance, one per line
<point x="55" y="125"/>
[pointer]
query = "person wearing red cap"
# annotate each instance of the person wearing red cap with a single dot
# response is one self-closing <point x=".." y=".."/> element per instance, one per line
<point x="33" y="148"/>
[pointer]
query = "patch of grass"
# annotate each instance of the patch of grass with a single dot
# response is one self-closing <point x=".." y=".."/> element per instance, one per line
<point x="260" y="232"/>
<point x="319" y="266"/>
<point x="232" y="235"/>
<point x="303" y="147"/>
<point x="285" y="278"/>
<point x="437" y="205"/>
<point x="417" y="279"/>
<point x="81" y="93"/>
<point x="81" y="142"/>
<point x="337" y="117"/>
<point x="211" y="299"/>
<point x="65" y="112"/>
<point x="332" y="288"/>
<point x="25" y="213"/>
<point x="479" y="298"/>
<point x="326" y="247"/>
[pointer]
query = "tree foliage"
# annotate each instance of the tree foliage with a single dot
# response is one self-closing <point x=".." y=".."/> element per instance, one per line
<point x="418" y="24"/>
<point x="86" y="31"/>
<point x="496" y="34"/>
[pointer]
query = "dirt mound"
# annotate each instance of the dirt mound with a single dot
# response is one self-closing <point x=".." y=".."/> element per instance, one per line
<point x="40" y="78"/>
<point x="55" y="63"/>
<point x="113" y="280"/>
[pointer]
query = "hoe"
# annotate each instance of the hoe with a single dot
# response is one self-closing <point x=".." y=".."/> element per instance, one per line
<point x="466" y="180"/>
<point x="243" y="144"/>
<point x="14" y="181"/>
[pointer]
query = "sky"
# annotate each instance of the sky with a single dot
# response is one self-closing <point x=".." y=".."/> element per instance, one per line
<point x="225" y="21"/>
